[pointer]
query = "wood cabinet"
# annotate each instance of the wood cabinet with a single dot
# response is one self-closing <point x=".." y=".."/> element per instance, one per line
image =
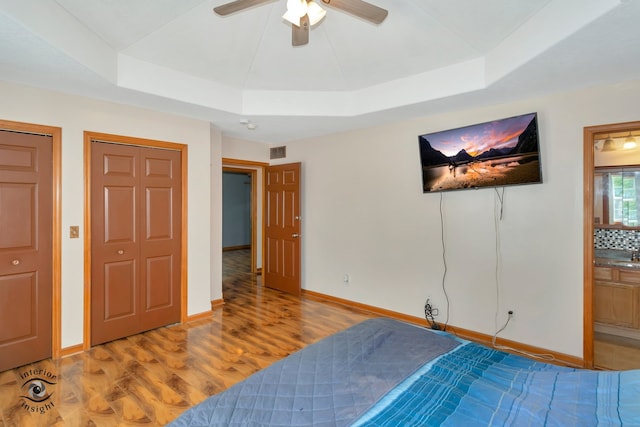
<point x="616" y="299"/>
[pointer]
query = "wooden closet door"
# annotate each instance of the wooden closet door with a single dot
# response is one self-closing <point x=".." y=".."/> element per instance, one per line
<point x="114" y="242"/>
<point x="160" y="236"/>
<point x="135" y="238"/>
<point x="26" y="194"/>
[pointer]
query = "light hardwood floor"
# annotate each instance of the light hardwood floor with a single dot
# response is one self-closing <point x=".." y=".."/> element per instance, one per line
<point x="617" y="353"/>
<point x="149" y="379"/>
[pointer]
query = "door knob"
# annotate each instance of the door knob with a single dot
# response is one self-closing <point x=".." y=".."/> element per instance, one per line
<point x="295" y="235"/>
<point x="15" y="262"/>
<point x="120" y="251"/>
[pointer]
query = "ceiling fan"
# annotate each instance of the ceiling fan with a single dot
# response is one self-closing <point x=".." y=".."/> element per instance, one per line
<point x="304" y="13"/>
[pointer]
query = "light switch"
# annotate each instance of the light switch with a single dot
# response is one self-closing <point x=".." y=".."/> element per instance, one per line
<point x="74" y="232"/>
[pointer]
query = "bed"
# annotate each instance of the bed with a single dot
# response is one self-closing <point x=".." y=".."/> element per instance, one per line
<point x="383" y="372"/>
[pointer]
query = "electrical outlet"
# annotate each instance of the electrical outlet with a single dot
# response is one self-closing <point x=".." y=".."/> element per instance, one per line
<point x="511" y="314"/>
<point x="346" y="279"/>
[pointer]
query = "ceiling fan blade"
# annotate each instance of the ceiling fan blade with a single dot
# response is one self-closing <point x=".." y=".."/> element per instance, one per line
<point x="300" y="35"/>
<point x="236" y="6"/>
<point x="361" y="9"/>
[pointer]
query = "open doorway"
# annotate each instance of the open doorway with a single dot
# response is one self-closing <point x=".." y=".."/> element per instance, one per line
<point x="250" y="173"/>
<point x="237" y="223"/>
<point x="275" y="194"/>
<point x="236" y="211"/>
<point x="611" y="245"/>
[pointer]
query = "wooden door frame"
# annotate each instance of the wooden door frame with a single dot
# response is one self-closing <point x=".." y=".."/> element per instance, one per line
<point x="56" y="223"/>
<point x="255" y="169"/>
<point x="588" y="228"/>
<point x="141" y="142"/>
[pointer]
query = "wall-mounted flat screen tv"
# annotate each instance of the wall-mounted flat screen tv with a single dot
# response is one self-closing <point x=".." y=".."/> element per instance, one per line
<point x="492" y="154"/>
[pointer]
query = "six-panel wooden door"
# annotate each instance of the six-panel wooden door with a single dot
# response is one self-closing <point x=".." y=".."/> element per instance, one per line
<point x="135" y="243"/>
<point x="26" y="193"/>
<point x="282" y="233"/>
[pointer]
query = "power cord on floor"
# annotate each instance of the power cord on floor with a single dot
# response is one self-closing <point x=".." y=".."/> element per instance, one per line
<point x="430" y="314"/>
<point x="541" y="356"/>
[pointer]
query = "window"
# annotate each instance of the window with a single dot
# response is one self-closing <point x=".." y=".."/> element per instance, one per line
<point x="623" y="200"/>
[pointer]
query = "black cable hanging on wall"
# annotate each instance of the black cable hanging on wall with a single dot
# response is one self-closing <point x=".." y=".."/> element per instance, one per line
<point x="429" y="311"/>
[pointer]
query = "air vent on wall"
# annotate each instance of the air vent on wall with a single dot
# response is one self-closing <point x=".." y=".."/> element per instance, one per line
<point x="278" y="152"/>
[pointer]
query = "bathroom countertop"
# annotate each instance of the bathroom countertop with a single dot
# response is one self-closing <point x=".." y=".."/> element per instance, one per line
<point x="615" y="258"/>
<point x="608" y="262"/>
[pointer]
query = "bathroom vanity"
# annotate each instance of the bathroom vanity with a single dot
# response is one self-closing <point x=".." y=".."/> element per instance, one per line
<point x="616" y="302"/>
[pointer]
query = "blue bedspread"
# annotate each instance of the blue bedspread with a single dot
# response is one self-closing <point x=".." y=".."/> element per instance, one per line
<point x="382" y="372"/>
<point x="477" y="386"/>
<point x="329" y="383"/>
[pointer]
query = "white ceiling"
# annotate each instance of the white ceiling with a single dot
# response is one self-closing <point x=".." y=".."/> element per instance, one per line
<point x="427" y="56"/>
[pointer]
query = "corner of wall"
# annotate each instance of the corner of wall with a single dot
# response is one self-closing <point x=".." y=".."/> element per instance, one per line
<point x="216" y="213"/>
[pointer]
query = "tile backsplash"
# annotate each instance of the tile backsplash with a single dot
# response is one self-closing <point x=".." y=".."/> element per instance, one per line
<point x="606" y="238"/>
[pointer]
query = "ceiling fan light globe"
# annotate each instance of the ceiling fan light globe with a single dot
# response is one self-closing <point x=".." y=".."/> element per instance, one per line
<point x="297" y="7"/>
<point x="315" y="12"/>
<point x="292" y="18"/>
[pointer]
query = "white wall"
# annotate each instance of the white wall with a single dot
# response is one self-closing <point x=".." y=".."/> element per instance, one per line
<point x="365" y="215"/>
<point x="215" y="219"/>
<point x="75" y="115"/>
<point x="240" y="149"/>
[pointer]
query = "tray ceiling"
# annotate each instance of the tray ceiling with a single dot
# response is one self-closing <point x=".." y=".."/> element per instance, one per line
<point x="427" y="56"/>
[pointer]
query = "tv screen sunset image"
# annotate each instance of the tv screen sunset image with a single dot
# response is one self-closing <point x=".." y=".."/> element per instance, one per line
<point x="492" y="154"/>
